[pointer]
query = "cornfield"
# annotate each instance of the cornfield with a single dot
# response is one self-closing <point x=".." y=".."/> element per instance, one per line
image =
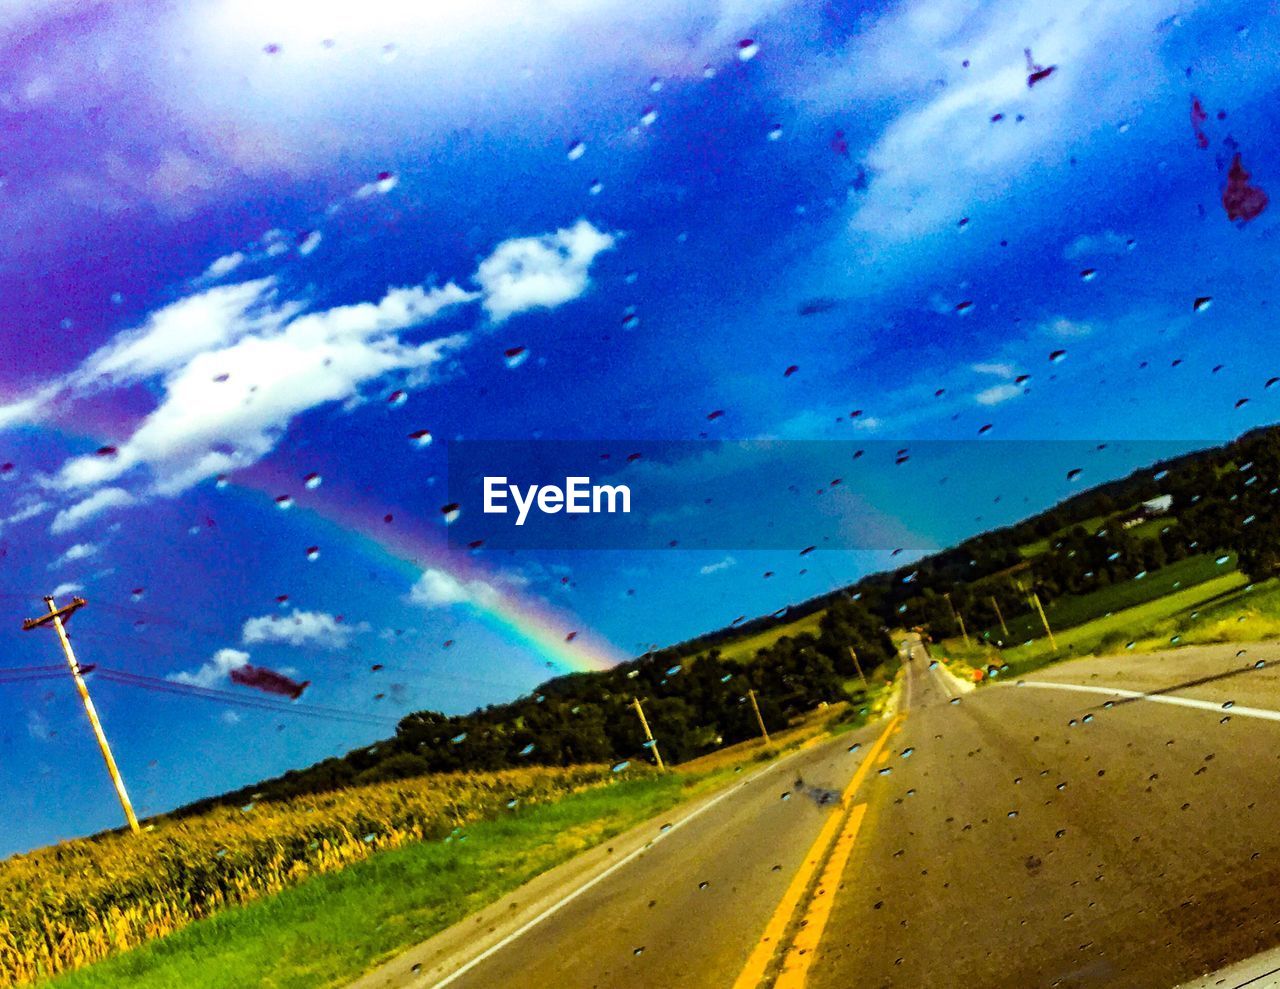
<point x="75" y="903"/>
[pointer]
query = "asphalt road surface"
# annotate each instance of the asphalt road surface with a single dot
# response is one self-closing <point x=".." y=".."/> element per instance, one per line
<point x="1125" y="834"/>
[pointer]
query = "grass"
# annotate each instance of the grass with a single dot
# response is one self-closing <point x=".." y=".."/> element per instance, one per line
<point x="332" y="928"/>
<point x="742" y="650"/>
<point x="1040" y="546"/>
<point x="1072" y="610"/>
<point x="1247" y="615"/>
<point x="1114" y="632"/>
<point x="1147" y="529"/>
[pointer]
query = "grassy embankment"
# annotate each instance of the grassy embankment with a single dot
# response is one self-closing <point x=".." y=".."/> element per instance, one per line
<point x="1192" y="601"/>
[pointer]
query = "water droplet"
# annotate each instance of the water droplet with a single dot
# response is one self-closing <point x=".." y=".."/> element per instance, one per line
<point x="620" y="766"/>
<point x="313" y="552"/>
<point x="312" y="481"/>
<point x="775" y="132"/>
<point x="576" y="150"/>
<point x="747" y="50"/>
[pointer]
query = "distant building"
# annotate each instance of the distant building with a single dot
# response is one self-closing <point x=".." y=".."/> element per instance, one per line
<point x="1148" y="509"/>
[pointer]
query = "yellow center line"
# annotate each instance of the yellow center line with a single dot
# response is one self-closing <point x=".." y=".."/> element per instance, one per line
<point x="795" y="965"/>
<point x="753" y="973"/>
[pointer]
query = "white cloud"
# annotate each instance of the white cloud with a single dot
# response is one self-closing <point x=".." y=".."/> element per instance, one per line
<point x="38" y="726"/>
<point x="540" y="272"/>
<point x="998" y="393"/>
<point x="79" y="551"/>
<point x="225" y="265"/>
<point x="310" y="242"/>
<point x="381" y="187"/>
<point x="175" y="334"/>
<point x="27" y="511"/>
<point x="999" y="370"/>
<point x="1063" y="327"/>
<point x="215" y="670"/>
<point x="100" y="501"/>
<point x="1106" y="244"/>
<point x="70" y="587"/>
<point x="724" y="564"/>
<point x="941" y="155"/>
<point x="439" y="588"/>
<point x="29" y="409"/>
<point x="302" y="628"/>
<point x="235" y="364"/>
<point x="225" y="407"/>
<point x="229" y="718"/>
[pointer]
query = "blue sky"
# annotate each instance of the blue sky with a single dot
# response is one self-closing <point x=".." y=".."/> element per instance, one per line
<point x="234" y="231"/>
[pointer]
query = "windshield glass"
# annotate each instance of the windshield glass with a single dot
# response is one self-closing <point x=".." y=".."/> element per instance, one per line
<point x="456" y="437"/>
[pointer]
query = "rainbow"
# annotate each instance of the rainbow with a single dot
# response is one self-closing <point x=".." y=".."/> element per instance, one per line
<point x="527" y="622"/>
<point x="521" y="619"/>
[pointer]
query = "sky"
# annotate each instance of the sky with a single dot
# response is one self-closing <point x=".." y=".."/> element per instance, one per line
<point x="266" y="270"/>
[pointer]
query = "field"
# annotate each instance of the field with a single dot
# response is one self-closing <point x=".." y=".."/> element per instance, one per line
<point x="327" y="931"/>
<point x="1189" y="614"/>
<point x="1069" y="611"/>
<point x="741" y="650"/>
<point x="80" y="902"/>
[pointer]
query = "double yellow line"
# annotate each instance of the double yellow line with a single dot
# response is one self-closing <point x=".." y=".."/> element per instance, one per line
<point x="835" y="851"/>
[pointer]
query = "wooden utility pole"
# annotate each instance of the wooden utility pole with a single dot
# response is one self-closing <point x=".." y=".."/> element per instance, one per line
<point x="648" y="735"/>
<point x="1035" y="599"/>
<point x="759" y="720"/>
<point x="857" y="666"/>
<point x="959" y="620"/>
<point x="55" y="617"/>
<point x="996" y="604"/>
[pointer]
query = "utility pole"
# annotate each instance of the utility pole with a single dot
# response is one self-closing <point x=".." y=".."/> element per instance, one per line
<point x="996" y="604"/>
<point x="55" y="618"/>
<point x="1035" y="599"/>
<point x="858" y="666"/>
<point x="756" y="707"/>
<point x="959" y="620"/>
<point x="648" y="735"/>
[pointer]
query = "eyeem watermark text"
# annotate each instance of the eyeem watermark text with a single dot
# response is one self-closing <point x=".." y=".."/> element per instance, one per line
<point x="578" y="497"/>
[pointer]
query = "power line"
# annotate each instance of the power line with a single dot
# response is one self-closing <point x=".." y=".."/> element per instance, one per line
<point x="240" y="700"/>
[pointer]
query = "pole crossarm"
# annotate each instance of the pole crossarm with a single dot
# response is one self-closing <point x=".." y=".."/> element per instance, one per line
<point x="63" y="614"/>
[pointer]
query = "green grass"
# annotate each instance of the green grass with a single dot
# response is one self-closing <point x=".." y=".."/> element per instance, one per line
<point x="1247" y="615"/>
<point x="1143" y="530"/>
<point x="1072" y="610"/>
<point x="1039" y="546"/>
<point x="332" y="928"/>
<point x="741" y="650"/>
<point x="1113" y="633"/>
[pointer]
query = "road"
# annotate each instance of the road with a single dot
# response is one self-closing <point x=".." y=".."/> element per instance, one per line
<point x="1018" y="835"/>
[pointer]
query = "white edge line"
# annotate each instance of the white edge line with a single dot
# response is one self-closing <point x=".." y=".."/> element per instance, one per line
<point x="1262" y="713"/>
<point x="570" y="897"/>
